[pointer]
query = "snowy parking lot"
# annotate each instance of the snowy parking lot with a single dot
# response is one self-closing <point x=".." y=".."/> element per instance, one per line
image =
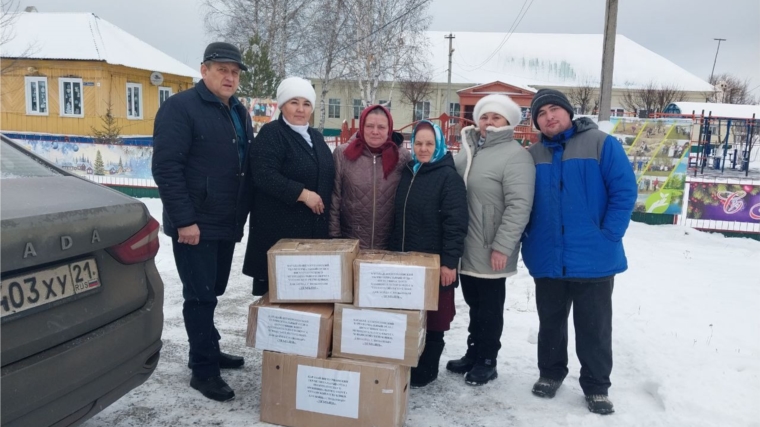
<point x="686" y="343"/>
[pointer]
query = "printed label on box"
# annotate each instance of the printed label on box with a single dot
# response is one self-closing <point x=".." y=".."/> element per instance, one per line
<point x="328" y="391"/>
<point x="287" y="331"/>
<point x="373" y="333"/>
<point x="308" y="277"/>
<point x="391" y="286"/>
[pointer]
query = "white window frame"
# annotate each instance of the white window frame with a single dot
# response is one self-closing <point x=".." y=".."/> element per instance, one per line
<point x="164" y="89"/>
<point x="424" y="116"/>
<point x="28" y="81"/>
<point x="333" y="107"/>
<point x="356" y="108"/>
<point x="130" y="100"/>
<point x="62" y="96"/>
<point x="454" y="107"/>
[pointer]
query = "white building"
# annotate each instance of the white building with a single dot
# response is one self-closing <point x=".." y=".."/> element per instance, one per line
<point x="523" y="62"/>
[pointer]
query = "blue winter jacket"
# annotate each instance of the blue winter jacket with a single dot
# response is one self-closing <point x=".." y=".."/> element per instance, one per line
<point x="585" y="193"/>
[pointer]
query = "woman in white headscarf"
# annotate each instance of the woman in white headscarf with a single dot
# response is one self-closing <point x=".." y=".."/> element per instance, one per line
<point x="292" y="175"/>
<point x="500" y="178"/>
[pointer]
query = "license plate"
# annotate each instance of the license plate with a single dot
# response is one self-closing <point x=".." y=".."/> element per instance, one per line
<point x="46" y="286"/>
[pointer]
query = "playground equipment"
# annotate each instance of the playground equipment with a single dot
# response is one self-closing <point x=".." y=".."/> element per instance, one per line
<point x="726" y="135"/>
<point x="715" y="147"/>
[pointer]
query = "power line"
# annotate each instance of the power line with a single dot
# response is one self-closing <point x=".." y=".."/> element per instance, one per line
<point x="506" y="38"/>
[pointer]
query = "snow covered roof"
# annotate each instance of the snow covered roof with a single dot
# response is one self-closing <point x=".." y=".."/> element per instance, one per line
<point x="736" y="111"/>
<point x="527" y="59"/>
<point x="84" y="36"/>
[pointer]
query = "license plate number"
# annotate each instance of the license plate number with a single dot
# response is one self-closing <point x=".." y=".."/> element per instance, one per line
<point x="42" y="287"/>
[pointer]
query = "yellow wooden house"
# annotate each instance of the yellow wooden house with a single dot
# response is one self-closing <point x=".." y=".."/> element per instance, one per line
<point x="61" y="72"/>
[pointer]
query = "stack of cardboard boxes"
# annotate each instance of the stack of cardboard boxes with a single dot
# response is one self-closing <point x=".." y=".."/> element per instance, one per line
<point x="328" y="362"/>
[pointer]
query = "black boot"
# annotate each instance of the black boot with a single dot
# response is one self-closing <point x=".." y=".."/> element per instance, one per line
<point x="546" y="387"/>
<point x="483" y="372"/>
<point x="466" y="362"/>
<point x="228" y="361"/>
<point x="599" y="404"/>
<point x="427" y="369"/>
<point x="214" y="388"/>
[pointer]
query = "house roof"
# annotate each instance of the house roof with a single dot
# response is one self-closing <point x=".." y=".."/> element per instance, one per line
<point x="736" y="111"/>
<point x="539" y="60"/>
<point x="84" y="36"/>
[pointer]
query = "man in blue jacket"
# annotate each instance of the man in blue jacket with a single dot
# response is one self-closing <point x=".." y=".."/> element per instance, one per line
<point x="200" y="142"/>
<point x="572" y="246"/>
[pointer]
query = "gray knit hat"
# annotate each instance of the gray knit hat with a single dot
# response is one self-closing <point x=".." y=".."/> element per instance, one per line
<point x="546" y="97"/>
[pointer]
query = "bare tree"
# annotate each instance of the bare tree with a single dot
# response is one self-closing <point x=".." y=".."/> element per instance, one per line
<point x="667" y="94"/>
<point x="731" y="90"/>
<point x="8" y="16"/>
<point x="388" y="37"/>
<point x="278" y="24"/>
<point x="643" y="98"/>
<point x="327" y="50"/>
<point x="585" y="96"/>
<point x="416" y="89"/>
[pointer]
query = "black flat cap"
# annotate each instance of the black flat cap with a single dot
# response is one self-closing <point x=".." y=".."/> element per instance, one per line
<point x="224" y="52"/>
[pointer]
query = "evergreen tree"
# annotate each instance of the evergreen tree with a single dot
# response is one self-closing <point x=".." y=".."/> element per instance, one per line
<point x="261" y="80"/>
<point x="110" y="133"/>
<point x="99" y="169"/>
<point x="121" y="165"/>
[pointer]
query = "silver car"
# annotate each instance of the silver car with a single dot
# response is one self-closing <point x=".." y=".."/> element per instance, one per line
<point x="81" y="300"/>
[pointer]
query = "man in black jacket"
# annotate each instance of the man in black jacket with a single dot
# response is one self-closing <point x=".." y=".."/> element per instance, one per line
<point x="200" y="143"/>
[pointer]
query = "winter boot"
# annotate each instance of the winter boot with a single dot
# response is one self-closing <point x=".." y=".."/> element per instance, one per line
<point x="483" y="372"/>
<point x="599" y="404"/>
<point x="546" y="387"/>
<point x="466" y="362"/>
<point x="427" y="369"/>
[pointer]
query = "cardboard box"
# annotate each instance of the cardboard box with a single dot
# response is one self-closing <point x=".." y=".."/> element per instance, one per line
<point x="298" y="391"/>
<point x="312" y="270"/>
<point x="389" y="336"/>
<point x="400" y="280"/>
<point x="304" y="329"/>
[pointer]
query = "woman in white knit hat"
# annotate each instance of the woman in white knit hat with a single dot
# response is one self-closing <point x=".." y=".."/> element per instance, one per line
<point x="500" y="178"/>
<point x="291" y="173"/>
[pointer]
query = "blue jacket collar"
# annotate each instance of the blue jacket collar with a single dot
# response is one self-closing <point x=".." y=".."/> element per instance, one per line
<point x="559" y="139"/>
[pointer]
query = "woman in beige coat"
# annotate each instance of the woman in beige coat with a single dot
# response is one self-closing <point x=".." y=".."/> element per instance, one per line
<point x="500" y="177"/>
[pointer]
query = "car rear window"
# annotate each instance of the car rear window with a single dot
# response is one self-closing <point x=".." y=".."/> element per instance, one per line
<point x="16" y="163"/>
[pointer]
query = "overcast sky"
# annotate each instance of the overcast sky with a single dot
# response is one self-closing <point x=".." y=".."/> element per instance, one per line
<point x="680" y="30"/>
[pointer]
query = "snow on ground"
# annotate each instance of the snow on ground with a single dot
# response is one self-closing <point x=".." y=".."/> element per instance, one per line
<point x="686" y="345"/>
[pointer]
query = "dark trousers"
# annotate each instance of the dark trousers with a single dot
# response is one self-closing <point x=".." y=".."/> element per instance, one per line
<point x="485" y="297"/>
<point x="592" y="316"/>
<point x="204" y="270"/>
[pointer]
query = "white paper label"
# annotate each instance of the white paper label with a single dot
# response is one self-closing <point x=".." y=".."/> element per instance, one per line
<point x="373" y="333"/>
<point x="328" y="391"/>
<point x="392" y="286"/>
<point x="287" y="331"/>
<point x="308" y="277"/>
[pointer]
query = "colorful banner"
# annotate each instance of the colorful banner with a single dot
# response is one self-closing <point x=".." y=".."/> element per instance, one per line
<point x="127" y="165"/>
<point x="724" y="202"/>
<point x="658" y="152"/>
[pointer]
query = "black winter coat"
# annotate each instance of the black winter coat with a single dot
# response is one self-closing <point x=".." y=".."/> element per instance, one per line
<point x="282" y="165"/>
<point x="431" y="211"/>
<point x="196" y="165"/>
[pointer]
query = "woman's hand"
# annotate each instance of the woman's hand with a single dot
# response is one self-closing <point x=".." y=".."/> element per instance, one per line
<point x="448" y="276"/>
<point x="313" y="201"/>
<point x="498" y="261"/>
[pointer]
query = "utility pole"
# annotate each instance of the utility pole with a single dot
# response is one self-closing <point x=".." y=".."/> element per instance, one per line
<point x="451" y="37"/>
<point x="716" y="60"/>
<point x="608" y="59"/>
